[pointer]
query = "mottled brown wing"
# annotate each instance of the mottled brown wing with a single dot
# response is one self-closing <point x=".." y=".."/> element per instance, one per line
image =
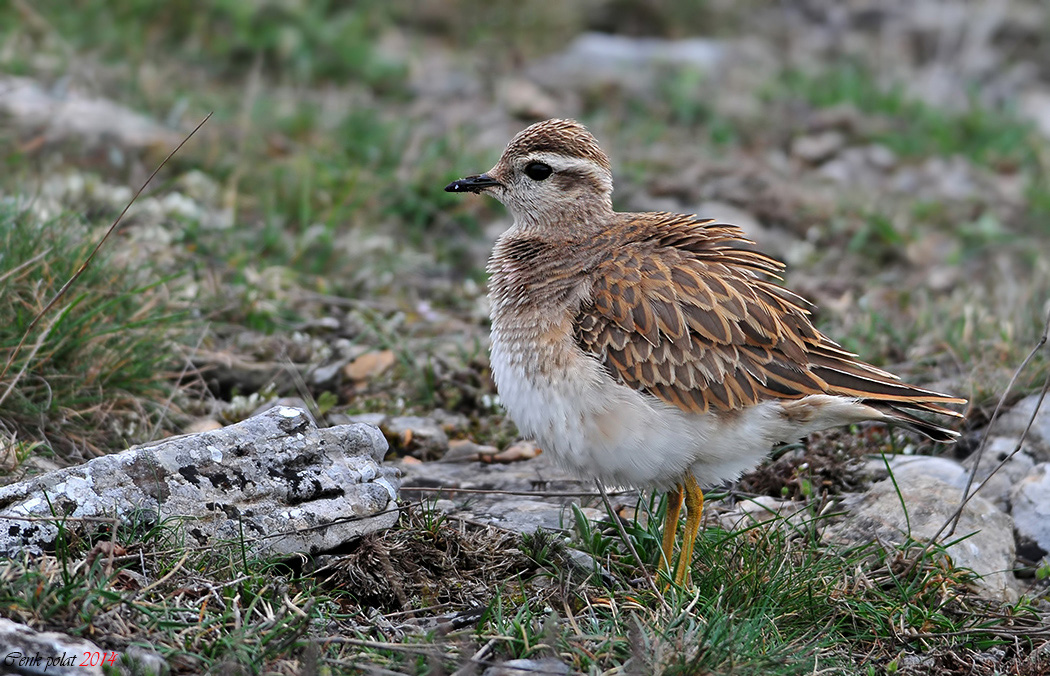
<point x="691" y="318"/>
<point x="687" y="319"/>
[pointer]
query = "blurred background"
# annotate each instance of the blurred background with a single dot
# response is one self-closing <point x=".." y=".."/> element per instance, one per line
<point x="893" y="153"/>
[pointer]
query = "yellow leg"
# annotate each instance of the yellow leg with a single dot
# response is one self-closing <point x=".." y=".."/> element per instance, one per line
<point x="674" y="507"/>
<point x="694" y="503"/>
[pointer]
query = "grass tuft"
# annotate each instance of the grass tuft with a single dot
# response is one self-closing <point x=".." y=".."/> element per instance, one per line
<point x="96" y="372"/>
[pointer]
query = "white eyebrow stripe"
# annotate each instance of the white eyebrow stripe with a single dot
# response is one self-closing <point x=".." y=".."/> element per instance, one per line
<point x="559" y="162"/>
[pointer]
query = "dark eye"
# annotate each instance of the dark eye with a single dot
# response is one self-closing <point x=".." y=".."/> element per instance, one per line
<point x="538" y="171"/>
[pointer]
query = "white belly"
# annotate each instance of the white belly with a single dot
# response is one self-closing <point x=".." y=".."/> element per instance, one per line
<point x="597" y="427"/>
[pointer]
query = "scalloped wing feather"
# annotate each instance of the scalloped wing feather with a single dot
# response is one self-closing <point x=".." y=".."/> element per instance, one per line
<point x="683" y="313"/>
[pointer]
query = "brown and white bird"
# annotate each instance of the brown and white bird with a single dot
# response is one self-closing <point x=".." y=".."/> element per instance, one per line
<point x="653" y="349"/>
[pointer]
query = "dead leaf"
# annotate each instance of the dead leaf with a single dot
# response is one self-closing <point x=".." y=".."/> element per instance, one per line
<point x="516" y="452"/>
<point x="369" y="365"/>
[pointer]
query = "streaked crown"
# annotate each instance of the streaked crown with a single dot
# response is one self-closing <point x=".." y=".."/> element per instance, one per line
<point x="568" y="138"/>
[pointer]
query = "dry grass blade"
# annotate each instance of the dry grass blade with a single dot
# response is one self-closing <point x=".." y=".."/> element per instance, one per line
<point x="950" y="525"/>
<point x="27" y="264"/>
<point x="87" y="262"/>
<point x="954" y="521"/>
<point x="25" y="366"/>
<point x="187" y="366"/>
<point x="627" y="541"/>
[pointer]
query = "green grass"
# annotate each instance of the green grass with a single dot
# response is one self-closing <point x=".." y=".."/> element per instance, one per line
<point x="313" y="40"/>
<point x="95" y="371"/>
<point x="768" y="599"/>
<point x="912" y="128"/>
<point x="333" y="174"/>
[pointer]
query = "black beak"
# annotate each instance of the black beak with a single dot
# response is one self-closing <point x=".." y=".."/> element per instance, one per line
<point x="474" y="184"/>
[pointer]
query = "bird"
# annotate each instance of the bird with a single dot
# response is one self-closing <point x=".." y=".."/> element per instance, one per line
<point x="657" y="350"/>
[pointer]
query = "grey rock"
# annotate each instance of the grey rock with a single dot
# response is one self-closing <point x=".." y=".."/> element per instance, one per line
<point x="587" y="564"/>
<point x="373" y="419"/>
<point x="997" y="487"/>
<point x="327" y="375"/>
<point x="762" y="509"/>
<point x="524" y="99"/>
<point x="856" y="164"/>
<point x="949" y="179"/>
<point x="525" y="515"/>
<point x="463" y="450"/>
<point x="450" y="421"/>
<point x="1013" y="423"/>
<point x="906" y="467"/>
<point x="538" y="474"/>
<point x="27" y="651"/>
<point x="143" y="662"/>
<point x="878" y="515"/>
<point x="275" y="480"/>
<point x="505" y="507"/>
<point x="728" y="213"/>
<point x="880" y="156"/>
<point x="71" y="115"/>
<point x="595" y="60"/>
<point x="1031" y="508"/>
<point x="549" y="666"/>
<point x="421" y="438"/>
<point x="1035" y="105"/>
<point x="818" y="147"/>
<point x="286" y="402"/>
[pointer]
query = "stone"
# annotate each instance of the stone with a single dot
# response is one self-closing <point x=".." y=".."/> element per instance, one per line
<point x="423" y="438"/>
<point x="464" y="450"/>
<point x="524" y="515"/>
<point x="907" y="466"/>
<point x="274" y="480"/>
<point x="516" y="452"/>
<point x="997" y="487"/>
<point x="142" y="661"/>
<point x="815" y="148"/>
<point x="1031" y="508"/>
<point x="878" y="515"/>
<point x="285" y="402"/>
<point x="524" y="496"/>
<point x="1013" y="422"/>
<point x="1035" y="106"/>
<point x="27" y="651"/>
<point x="761" y="509"/>
<point x="72" y="115"/>
<point x="596" y="60"/>
<point x="203" y="425"/>
<point x="326" y="375"/>
<point x="373" y="419"/>
<point x="728" y="213"/>
<point x="857" y="164"/>
<point x="548" y="666"/>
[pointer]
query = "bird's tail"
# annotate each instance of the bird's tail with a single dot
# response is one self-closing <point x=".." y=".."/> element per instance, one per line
<point x="849" y="377"/>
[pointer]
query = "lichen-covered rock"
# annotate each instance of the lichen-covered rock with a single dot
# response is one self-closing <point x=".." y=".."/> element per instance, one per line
<point x="275" y="480"/>
<point x="983" y="541"/>
<point x="27" y="651"/>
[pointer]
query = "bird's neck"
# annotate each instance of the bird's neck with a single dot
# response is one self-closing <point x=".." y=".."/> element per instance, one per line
<point x="580" y="218"/>
<point x="536" y="271"/>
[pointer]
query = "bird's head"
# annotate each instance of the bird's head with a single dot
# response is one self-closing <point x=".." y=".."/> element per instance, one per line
<point x="551" y="173"/>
